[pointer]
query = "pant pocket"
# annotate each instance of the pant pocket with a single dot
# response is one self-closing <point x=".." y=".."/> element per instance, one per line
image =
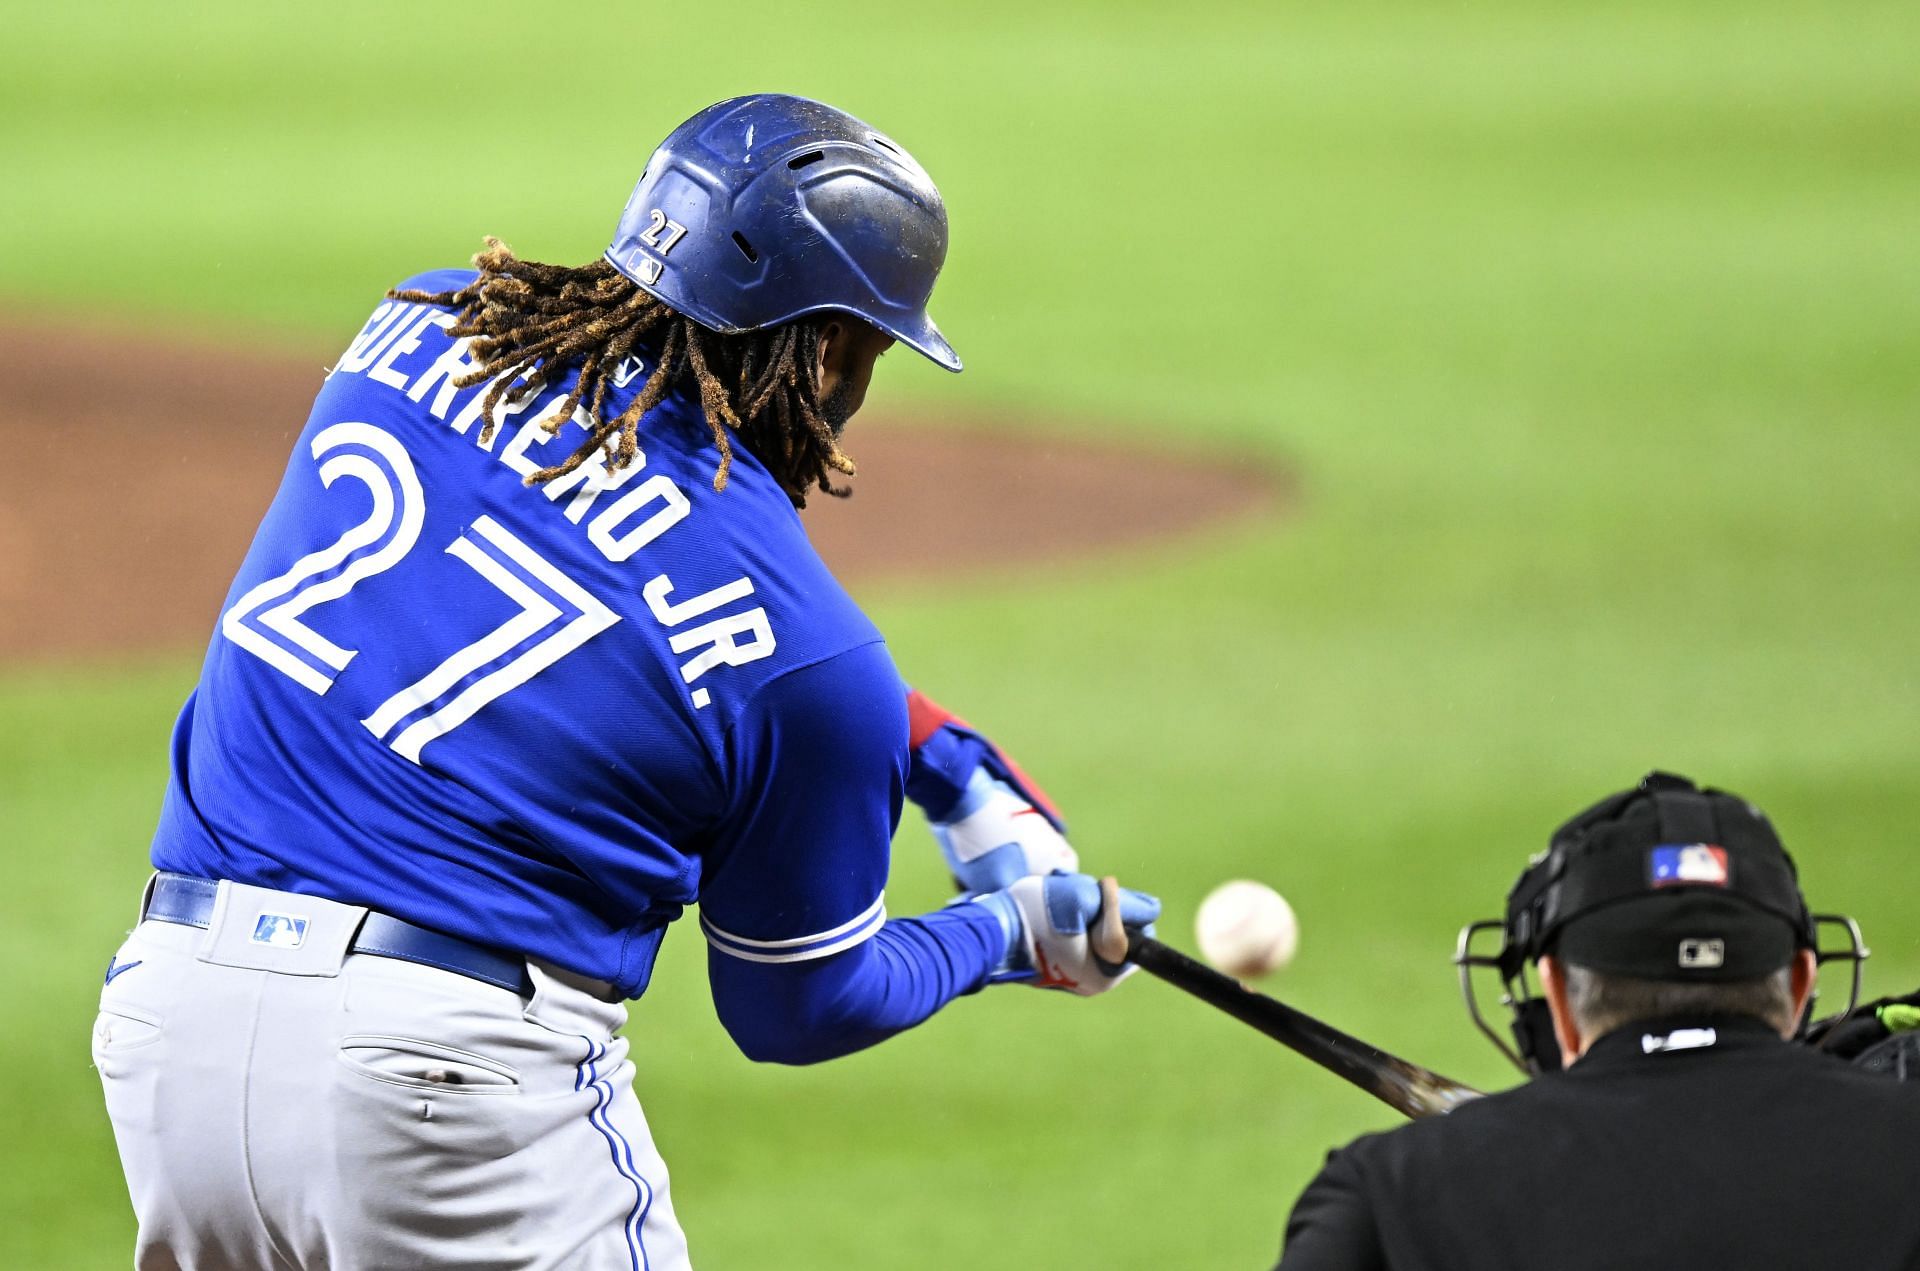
<point x="424" y="1065"/>
<point x="122" y="1028"/>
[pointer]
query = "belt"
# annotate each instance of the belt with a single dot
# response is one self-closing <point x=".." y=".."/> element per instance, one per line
<point x="188" y="901"/>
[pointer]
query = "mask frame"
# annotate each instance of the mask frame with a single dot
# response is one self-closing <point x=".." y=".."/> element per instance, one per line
<point x="1534" y="1049"/>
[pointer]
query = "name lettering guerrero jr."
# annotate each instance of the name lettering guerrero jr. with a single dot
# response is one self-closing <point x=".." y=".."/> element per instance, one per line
<point x="618" y="531"/>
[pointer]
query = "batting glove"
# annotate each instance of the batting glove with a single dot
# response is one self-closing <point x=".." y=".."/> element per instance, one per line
<point x="993" y="824"/>
<point x="1046" y="921"/>
<point x="996" y="837"/>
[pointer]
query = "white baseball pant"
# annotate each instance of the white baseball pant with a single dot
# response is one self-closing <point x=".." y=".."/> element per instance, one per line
<point x="348" y="1111"/>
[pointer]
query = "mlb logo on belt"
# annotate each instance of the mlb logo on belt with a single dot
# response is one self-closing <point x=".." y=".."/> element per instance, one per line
<point x="282" y="931"/>
<point x="1699" y="863"/>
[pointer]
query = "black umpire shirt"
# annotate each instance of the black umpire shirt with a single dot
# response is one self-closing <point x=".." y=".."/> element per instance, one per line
<point x="1704" y="1144"/>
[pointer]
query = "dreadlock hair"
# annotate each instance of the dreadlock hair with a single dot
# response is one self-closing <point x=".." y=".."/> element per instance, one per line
<point x="535" y="322"/>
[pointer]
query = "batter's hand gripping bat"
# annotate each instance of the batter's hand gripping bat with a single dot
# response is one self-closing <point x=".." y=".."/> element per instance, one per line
<point x="1409" y="1088"/>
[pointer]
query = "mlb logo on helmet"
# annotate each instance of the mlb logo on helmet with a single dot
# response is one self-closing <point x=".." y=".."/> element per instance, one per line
<point x="1699" y="863"/>
<point x="643" y="266"/>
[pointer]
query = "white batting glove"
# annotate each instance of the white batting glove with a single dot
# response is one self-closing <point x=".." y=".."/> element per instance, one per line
<point x="1046" y="921"/>
<point x="995" y="836"/>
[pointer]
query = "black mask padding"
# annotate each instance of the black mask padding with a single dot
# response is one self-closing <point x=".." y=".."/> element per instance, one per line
<point x="1533" y="1035"/>
<point x="1686" y="817"/>
<point x="1594" y="899"/>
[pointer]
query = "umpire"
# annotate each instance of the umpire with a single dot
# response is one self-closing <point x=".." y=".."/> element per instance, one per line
<point x="1675" y="960"/>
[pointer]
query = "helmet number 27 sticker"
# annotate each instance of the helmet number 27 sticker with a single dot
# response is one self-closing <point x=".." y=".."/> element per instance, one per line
<point x="557" y="615"/>
<point x="657" y="225"/>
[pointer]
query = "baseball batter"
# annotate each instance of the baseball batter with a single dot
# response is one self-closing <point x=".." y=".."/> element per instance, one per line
<point x="530" y="653"/>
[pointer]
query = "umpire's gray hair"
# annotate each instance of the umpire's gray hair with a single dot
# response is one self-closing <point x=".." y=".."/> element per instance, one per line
<point x="1601" y="1003"/>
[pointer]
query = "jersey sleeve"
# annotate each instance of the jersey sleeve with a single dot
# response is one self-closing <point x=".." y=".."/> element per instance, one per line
<point x="816" y="764"/>
<point x="806" y="1012"/>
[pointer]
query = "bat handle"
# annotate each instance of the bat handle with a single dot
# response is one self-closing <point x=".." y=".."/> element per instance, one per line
<point x="1110" y="941"/>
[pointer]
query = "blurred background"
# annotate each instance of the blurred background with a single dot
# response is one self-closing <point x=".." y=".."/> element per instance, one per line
<point x="1585" y="340"/>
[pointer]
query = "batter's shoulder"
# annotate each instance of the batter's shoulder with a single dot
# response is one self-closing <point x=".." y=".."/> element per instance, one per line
<point x="437" y="281"/>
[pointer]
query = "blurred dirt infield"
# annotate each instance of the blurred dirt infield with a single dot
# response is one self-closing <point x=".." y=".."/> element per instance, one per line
<point x="135" y="469"/>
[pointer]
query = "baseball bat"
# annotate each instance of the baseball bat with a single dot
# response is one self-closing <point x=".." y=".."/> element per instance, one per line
<point x="1406" y="1087"/>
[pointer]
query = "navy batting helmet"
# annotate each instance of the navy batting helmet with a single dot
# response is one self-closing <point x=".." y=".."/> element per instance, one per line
<point x="760" y="210"/>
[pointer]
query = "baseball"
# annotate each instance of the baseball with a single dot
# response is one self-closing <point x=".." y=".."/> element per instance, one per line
<point x="1246" y="929"/>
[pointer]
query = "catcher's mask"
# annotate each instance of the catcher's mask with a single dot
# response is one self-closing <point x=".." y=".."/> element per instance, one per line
<point x="1666" y="881"/>
<point x="763" y="209"/>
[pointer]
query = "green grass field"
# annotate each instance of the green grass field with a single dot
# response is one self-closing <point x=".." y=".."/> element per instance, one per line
<point x="1592" y="334"/>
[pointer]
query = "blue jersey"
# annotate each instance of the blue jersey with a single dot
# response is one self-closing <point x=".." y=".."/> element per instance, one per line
<point x="547" y="716"/>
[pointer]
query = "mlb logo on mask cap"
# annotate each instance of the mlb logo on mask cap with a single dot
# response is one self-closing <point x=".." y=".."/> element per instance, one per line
<point x="1671" y="864"/>
<point x="1703" y="954"/>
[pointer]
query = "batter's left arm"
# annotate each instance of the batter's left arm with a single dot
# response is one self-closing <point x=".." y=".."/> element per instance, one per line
<point x="994" y="824"/>
<point x="807" y="1012"/>
<point x="803" y="961"/>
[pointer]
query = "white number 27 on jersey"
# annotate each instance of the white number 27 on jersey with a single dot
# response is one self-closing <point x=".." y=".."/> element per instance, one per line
<point x="557" y="615"/>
